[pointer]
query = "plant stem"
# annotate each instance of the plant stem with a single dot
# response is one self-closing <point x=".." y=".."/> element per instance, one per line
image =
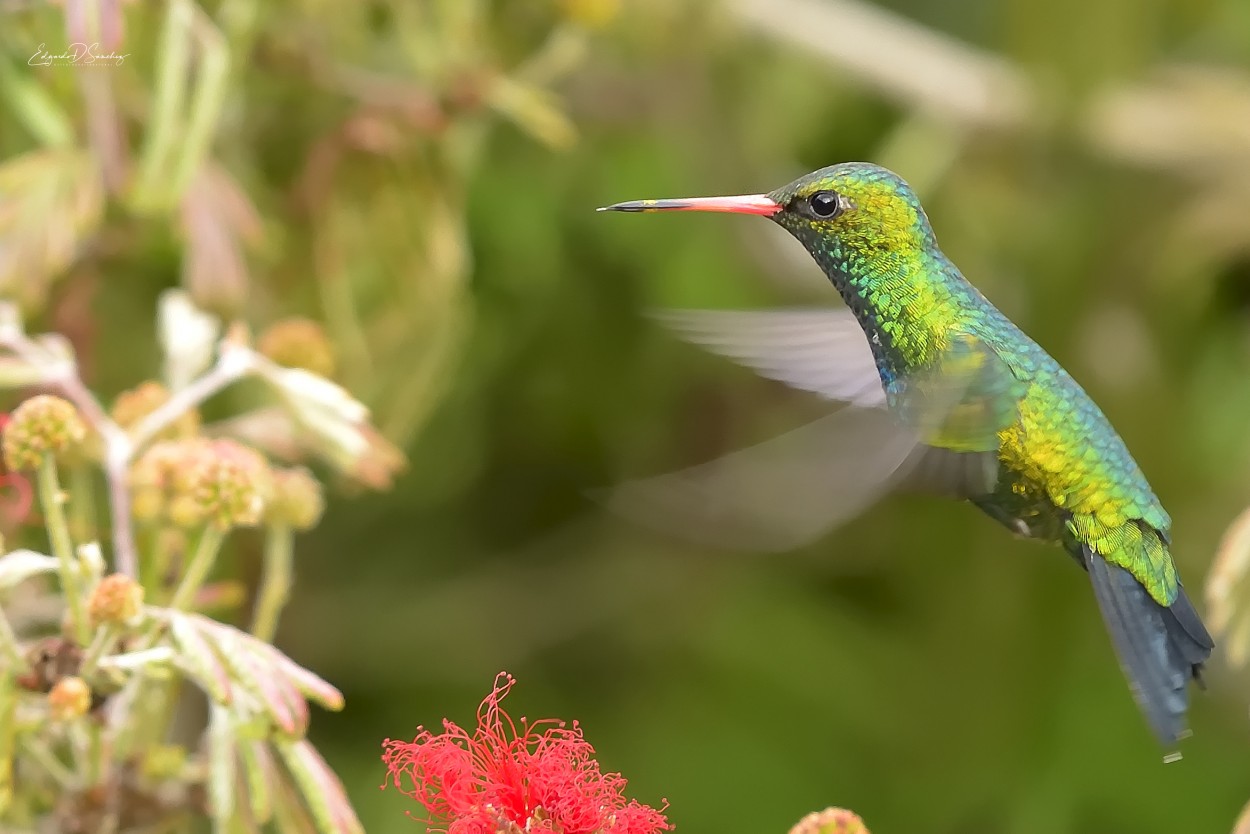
<point x="275" y="584"/>
<point x="37" y="750"/>
<point x="94" y="760"/>
<point x="103" y="128"/>
<point x="167" y="110"/>
<point x="52" y="501"/>
<point x="210" y="93"/>
<point x="116" y="471"/>
<point x="82" y="505"/>
<point x="233" y="363"/>
<point x="9" y="646"/>
<point x="201" y="563"/>
<point x="104" y="639"/>
<point x="563" y="50"/>
<point x="32" y="107"/>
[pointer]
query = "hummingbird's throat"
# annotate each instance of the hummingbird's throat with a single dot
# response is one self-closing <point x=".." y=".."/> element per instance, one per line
<point x="897" y="302"/>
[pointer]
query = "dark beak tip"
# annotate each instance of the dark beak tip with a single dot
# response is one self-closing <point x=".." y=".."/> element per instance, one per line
<point x="633" y="205"/>
<point x="743" y="204"/>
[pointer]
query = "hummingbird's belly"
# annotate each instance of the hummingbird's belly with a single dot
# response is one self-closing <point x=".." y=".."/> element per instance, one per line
<point x="1061" y="458"/>
<point x="1023" y="506"/>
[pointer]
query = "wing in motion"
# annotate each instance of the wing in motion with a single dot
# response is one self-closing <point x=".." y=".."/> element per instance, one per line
<point x="939" y="434"/>
<point x="823" y="351"/>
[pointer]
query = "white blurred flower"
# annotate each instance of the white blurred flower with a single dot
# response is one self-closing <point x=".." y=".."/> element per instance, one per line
<point x="91" y="558"/>
<point x="188" y="337"/>
<point x="324" y="409"/>
<point x="308" y="391"/>
<point x="17" y="566"/>
<point x="1228" y="591"/>
<point x="47" y="358"/>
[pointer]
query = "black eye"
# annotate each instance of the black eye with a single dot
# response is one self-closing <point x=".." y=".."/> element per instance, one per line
<point x="824" y="204"/>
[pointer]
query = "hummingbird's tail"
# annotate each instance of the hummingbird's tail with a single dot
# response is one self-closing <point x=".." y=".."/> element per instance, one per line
<point x="1160" y="647"/>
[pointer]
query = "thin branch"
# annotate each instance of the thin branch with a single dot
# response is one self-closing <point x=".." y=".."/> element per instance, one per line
<point x="275" y="586"/>
<point x="234" y="363"/>
<point x="116" y="472"/>
<point x="10" y="648"/>
<point x="117" y="452"/>
<point x="197" y="571"/>
<point x="52" y="499"/>
<point x="54" y="767"/>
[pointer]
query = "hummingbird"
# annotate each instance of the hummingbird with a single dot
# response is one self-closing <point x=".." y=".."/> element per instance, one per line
<point x="943" y="394"/>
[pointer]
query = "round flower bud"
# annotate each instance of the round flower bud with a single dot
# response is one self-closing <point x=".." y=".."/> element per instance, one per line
<point x="151" y="478"/>
<point x="132" y="406"/>
<point x="298" y="343"/>
<point x="69" y="698"/>
<point x="184" y="511"/>
<point x="830" y="821"/>
<point x="228" y="483"/>
<point x="156" y="466"/>
<point x="118" y="599"/>
<point x="42" y="425"/>
<point x="296" y="500"/>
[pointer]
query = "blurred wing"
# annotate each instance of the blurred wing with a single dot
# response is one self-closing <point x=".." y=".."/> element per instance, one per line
<point x="935" y="471"/>
<point x="823" y="351"/>
<point x="958" y="408"/>
<point x="939" y="435"/>
<point x="963" y="400"/>
<point x="779" y="494"/>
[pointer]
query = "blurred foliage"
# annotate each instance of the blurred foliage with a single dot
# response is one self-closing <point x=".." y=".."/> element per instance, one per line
<point x="419" y="176"/>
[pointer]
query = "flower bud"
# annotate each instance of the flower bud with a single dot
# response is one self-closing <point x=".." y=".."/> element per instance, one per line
<point x="132" y="406"/>
<point x="830" y="821"/>
<point x="296" y="500"/>
<point x="228" y="483"/>
<point x="185" y="512"/>
<point x="117" y="600"/>
<point x="152" y="478"/>
<point x="40" y="426"/>
<point x="298" y="343"/>
<point x="156" y="467"/>
<point x="69" y="698"/>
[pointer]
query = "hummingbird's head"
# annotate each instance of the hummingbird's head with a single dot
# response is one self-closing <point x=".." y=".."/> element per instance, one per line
<point x="855" y="207"/>
<point x="852" y="210"/>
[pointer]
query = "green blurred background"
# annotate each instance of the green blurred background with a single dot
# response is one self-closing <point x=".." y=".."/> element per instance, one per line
<point x="422" y="178"/>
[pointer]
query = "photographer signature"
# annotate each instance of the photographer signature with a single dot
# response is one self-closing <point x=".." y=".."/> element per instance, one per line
<point x="75" y="54"/>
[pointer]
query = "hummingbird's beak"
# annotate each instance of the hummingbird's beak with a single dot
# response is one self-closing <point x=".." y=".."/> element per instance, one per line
<point x="742" y="204"/>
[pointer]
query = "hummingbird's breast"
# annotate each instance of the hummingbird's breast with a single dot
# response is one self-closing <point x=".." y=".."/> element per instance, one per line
<point x="1062" y="452"/>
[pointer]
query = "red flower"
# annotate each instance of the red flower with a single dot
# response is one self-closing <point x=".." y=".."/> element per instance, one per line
<point x="505" y="780"/>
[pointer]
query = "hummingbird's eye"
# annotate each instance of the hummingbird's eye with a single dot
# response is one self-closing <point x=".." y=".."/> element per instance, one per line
<point x="824" y="204"/>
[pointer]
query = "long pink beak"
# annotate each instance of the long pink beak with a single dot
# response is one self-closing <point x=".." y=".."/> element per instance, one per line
<point x="742" y="204"/>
